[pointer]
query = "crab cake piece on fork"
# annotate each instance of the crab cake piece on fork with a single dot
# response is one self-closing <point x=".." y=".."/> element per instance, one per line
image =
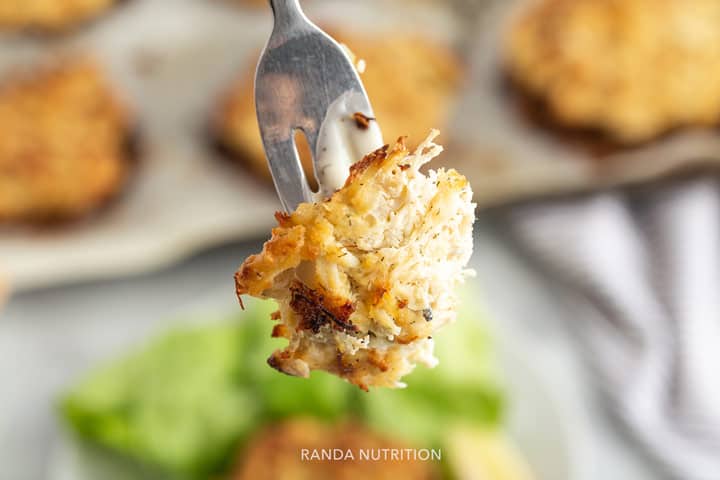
<point x="365" y="277"/>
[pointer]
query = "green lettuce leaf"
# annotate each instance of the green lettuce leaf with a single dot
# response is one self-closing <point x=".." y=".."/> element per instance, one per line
<point x="186" y="401"/>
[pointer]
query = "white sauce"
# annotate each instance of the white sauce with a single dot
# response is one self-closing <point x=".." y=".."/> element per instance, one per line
<point x="341" y="142"/>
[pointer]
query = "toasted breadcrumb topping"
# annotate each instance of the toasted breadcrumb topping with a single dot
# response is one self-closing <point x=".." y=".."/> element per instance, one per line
<point x="633" y="69"/>
<point x="63" y="150"/>
<point x="364" y="278"/>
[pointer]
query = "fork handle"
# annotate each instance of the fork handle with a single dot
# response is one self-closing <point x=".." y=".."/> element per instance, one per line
<point x="287" y="13"/>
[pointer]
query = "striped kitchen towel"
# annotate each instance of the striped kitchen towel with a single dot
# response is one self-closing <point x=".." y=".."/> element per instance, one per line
<point x="644" y="268"/>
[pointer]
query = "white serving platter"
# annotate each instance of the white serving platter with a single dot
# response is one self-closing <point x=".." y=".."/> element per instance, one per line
<point x="171" y="60"/>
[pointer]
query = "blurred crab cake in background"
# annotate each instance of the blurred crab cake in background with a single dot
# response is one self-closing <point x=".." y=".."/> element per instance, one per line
<point x="49" y="14"/>
<point x="412" y="81"/>
<point x="277" y="452"/>
<point x="64" y="144"/>
<point x="631" y="69"/>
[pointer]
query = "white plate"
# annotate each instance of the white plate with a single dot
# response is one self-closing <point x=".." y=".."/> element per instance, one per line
<point x="183" y="198"/>
<point x="538" y="423"/>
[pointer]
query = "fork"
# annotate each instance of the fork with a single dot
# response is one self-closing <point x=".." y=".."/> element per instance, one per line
<point x="301" y="74"/>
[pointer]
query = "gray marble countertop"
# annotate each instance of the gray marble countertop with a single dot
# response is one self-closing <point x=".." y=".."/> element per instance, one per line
<point x="49" y="337"/>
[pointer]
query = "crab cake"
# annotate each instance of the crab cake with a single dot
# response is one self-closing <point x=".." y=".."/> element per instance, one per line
<point x="63" y="149"/>
<point x="632" y="69"/>
<point x="411" y="80"/>
<point x="49" y="14"/>
<point x="289" y="451"/>
<point x="364" y="278"/>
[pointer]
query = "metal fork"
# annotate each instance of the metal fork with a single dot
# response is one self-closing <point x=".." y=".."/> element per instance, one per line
<point x="301" y="73"/>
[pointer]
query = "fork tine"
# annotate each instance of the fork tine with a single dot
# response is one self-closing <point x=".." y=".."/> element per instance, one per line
<point x="288" y="175"/>
<point x="301" y="75"/>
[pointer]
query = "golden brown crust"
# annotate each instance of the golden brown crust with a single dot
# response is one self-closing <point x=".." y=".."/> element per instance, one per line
<point x="64" y="149"/>
<point x="316" y="308"/>
<point x="404" y="71"/>
<point x="282" y="218"/>
<point x="284" y="250"/>
<point x="358" y="168"/>
<point x="277" y="452"/>
<point x="49" y="14"/>
<point x="630" y="69"/>
<point x="356" y="275"/>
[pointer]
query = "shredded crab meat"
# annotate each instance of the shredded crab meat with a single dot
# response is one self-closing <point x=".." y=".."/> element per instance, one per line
<point x="365" y="278"/>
